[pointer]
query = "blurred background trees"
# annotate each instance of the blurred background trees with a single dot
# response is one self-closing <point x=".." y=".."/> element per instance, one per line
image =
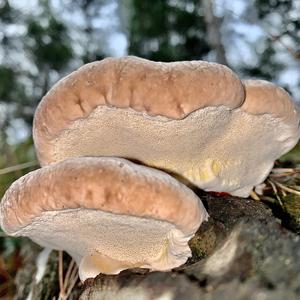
<point x="167" y="30"/>
<point x="43" y="40"/>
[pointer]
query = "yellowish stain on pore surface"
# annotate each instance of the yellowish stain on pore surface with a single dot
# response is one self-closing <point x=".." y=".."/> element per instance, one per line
<point x="208" y="170"/>
<point x="216" y="167"/>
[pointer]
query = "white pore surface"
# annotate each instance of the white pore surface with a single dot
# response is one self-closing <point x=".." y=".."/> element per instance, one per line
<point x="216" y="149"/>
<point x="102" y="242"/>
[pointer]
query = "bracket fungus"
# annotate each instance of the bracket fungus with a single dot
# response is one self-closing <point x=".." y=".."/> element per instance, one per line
<point x="193" y="119"/>
<point x="109" y="214"/>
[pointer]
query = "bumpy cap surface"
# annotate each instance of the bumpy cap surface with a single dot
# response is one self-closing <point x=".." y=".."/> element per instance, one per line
<point x="170" y="90"/>
<point x="108" y="213"/>
<point x="263" y="97"/>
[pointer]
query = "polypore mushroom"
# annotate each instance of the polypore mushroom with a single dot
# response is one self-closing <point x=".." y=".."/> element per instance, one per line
<point x="109" y="214"/>
<point x="187" y="118"/>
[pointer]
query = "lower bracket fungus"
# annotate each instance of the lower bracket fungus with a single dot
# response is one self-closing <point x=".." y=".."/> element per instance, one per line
<point x="109" y="214"/>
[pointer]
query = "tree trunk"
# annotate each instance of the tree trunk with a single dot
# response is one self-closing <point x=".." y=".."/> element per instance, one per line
<point x="213" y="24"/>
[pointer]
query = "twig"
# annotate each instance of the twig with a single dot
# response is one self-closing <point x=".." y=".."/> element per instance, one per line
<point x="285" y="188"/>
<point x="18" y="167"/>
<point x="276" y="192"/>
<point x="289" y="49"/>
<point x="288" y="170"/>
<point x="62" y="294"/>
<point x="67" y="282"/>
<point x="254" y="196"/>
<point x="284" y="172"/>
<point x="296" y="187"/>
<point x="267" y="198"/>
<point x="283" y="192"/>
<point x="69" y="274"/>
<point x="274" y="38"/>
<point x="73" y="280"/>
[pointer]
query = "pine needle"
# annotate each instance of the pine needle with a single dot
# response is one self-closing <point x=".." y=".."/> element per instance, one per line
<point x="254" y="196"/>
<point x="62" y="295"/>
<point x="67" y="282"/>
<point x="18" y="167"/>
<point x="275" y="191"/>
<point x="286" y="188"/>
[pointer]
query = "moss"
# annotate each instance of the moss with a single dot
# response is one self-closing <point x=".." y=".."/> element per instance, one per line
<point x="197" y="248"/>
<point x="291" y="204"/>
<point x="292" y="156"/>
<point x="197" y="252"/>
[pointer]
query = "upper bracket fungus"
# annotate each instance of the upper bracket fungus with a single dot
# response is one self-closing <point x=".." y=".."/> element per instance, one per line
<point x="193" y="119"/>
<point x="109" y="214"/>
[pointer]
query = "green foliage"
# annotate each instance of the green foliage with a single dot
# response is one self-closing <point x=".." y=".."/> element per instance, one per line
<point x="18" y="154"/>
<point x="265" y="7"/>
<point x="287" y="27"/>
<point x="268" y="66"/>
<point x="49" y="43"/>
<point x="291" y="205"/>
<point x="7" y="83"/>
<point x="46" y="47"/>
<point x="5" y="12"/>
<point x="161" y="31"/>
<point x="90" y="46"/>
<point x="292" y="157"/>
<point x="11" y="91"/>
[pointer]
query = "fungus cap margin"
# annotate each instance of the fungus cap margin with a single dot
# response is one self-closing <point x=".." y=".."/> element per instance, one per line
<point x="62" y="195"/>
